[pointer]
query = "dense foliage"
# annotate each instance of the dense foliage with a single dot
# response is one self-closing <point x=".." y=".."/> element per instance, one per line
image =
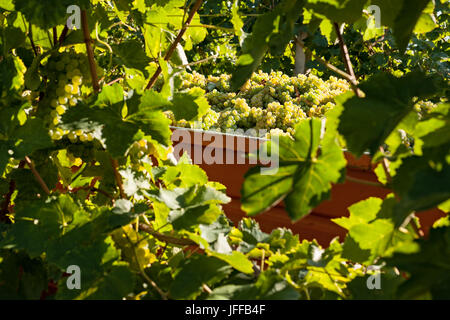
<point x="88" y="178"/>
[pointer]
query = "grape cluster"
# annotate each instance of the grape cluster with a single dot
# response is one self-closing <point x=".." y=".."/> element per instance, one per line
<point x="424" y="107"/>
<point x="66" y="72"/>
<point x="209" y="119"/>
<point x="266" y="101"/>
<point x="133" y="248"/>
<point x="142" y="148"/>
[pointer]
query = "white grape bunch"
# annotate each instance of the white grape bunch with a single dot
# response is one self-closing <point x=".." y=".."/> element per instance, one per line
<point x="66" y="73"/>
<point x="267" y="101"/>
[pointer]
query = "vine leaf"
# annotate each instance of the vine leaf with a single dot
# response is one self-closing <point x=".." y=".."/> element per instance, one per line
<point x="116" y="132"/>
<point x="190" y="105"/>
<point x="191" y="206"/>
<point x="388" y="101"/>
<point x="47" y="13"/>
<point x="339" y="11"/>
<point x="367" y="241"/>
<point x="273" y="30"/>
<point x="132" y="55"/>
<point x="431" y="254"/>
<point x="194" y="273"/>
<point x="402" y="16"/>
<point x="362" y="212"/>
<point x="305" y="175"/>
<point x="235" y="259"/>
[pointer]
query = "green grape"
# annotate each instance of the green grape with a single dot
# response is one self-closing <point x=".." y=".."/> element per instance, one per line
<point x="63" y="100"/>
<point x="75" y="90"/>
<point x="65" y="58"/>
<point x="72" y="137"/>
<point x="83" y="137"/>
<point x="77" y="80"/>
<point x="56" y="120"/>
<point x="62" y="78"/>
<point x="60" y="109"/>
<point x="90" y="137"/>
<point x="73" y="102"/>
<point x="60" y="66"/>
<point x="60" y="92"/>
<point x="68" y="88"/>
<point x="56" y="135"/>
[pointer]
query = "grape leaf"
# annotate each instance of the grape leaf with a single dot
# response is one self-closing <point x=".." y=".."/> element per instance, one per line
<point x="38" y="13"/>
<point x="190" y="105"/>
<point x="367" y="241"/>
<point x="118" y="133"/>
<point x="362" y="212"/>
<point x="12" y="70"/>
<point x="304" y="177"/>
<point x="235" y="259"/>
<point x="432" y="254"/>
<point x="272" y="30"/>
<point x="195" y="272"/>
<point x="132" y="55"/>
<point x="339" y="11"/>
<point x="388" y="101"/>
<point x="389" y="283"/>
<point x="402" y="16"/>
<point x="422" y="182"/>
<point x="191" y="206"/>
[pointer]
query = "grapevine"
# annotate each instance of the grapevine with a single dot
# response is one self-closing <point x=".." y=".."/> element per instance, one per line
<point x="89" y="179"/>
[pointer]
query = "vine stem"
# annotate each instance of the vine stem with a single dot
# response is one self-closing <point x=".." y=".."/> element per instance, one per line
<point x="263" y="258"/>
<point x="385" y="164"/>
<point x="114" y="81"/>
<point x="348" y="62"/>
<point x="142" y="271"/>
<point x="63" y="35"/>
<point x="5" y="205"/>
<point x="118" y="178"/>
<point x="90" y="51"/>
<point x="365" y="182"/>
<point x="37" y="176"/>
<point x="344" y="51"/>
<point x="55" y="36"/>
<point x="358" y="93"/>
<point x="206" y="288"/>
<point x="197" y="62"/>
<point x="175" y="43"/>
<point x="162" y="237"/>
<point x="30" y="36"/>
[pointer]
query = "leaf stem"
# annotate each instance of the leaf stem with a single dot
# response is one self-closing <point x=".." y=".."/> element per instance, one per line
<point x="175" y="43"/>
<point x="63" y="35"/>
<point x="5" y="205"/>
<point x="90" y="51"/>
<point x="162" y="237"/>
<point x="365" y="182"/>
<point x="37" y="176"/>
<point x="55" y="36"/>
<point x="206" y="288"/>
<point x="348" y="62"/>
<point x="197" y="62"/>
<point x="263" y="258"/>
<point x="385" y="163"/>
<point x="118" y="178"/>
<point x="142" y="271"/>
<point x="30" y="36"/>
